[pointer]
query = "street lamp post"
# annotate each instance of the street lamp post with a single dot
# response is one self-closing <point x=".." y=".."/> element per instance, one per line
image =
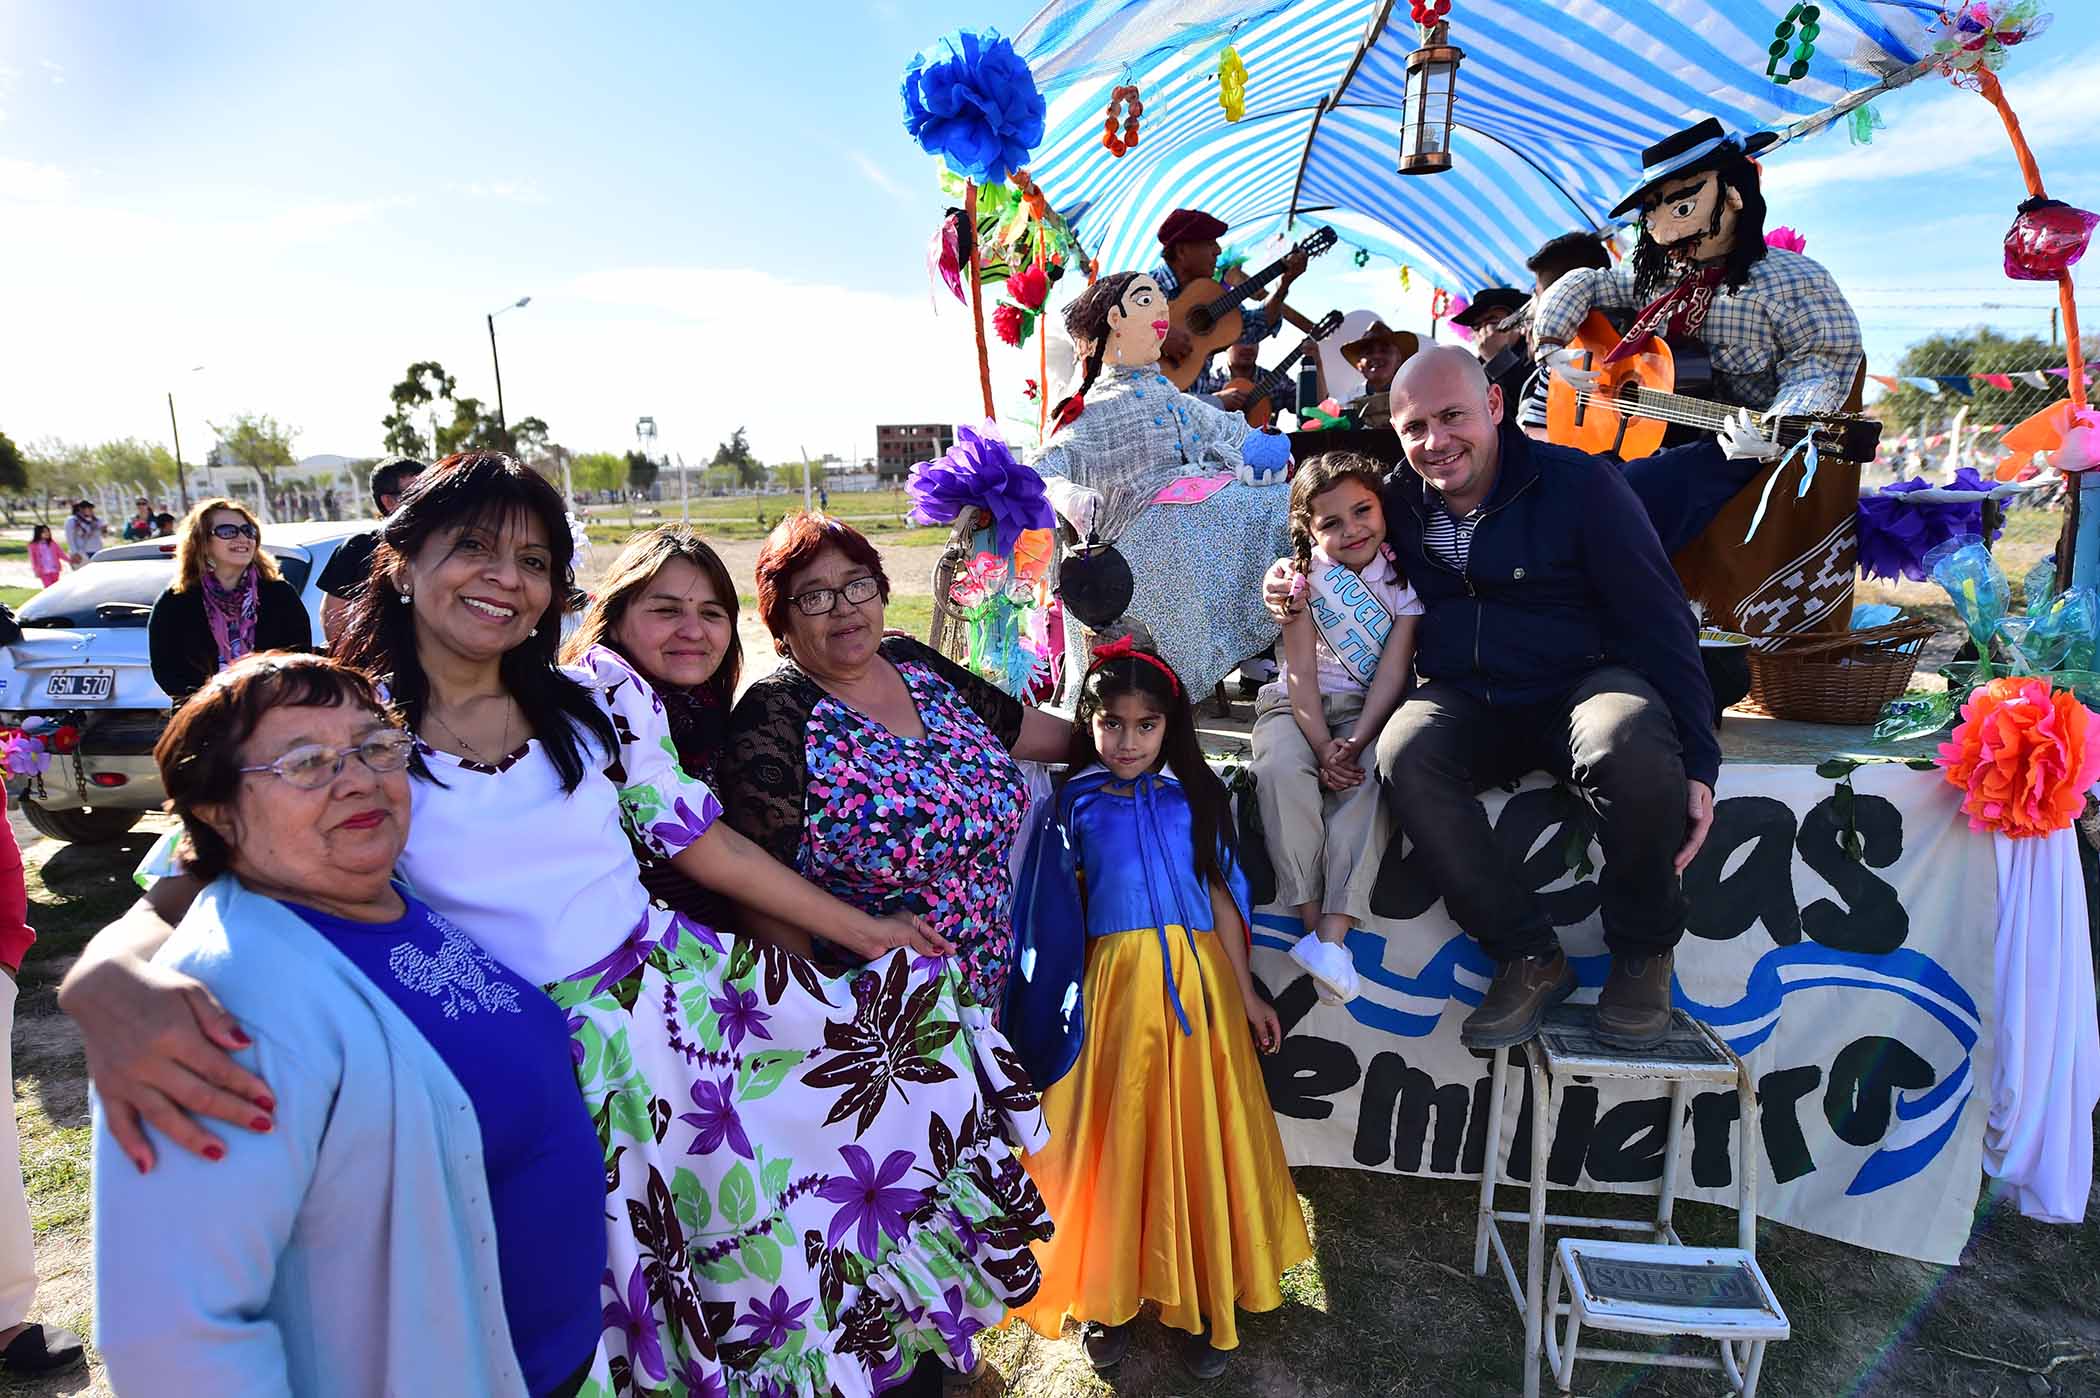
<point x="182" y="480"/>
<point x="501" y="425"/>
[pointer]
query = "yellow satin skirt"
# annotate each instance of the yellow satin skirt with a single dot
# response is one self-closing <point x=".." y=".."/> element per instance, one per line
<point x="1164" y="1174"/>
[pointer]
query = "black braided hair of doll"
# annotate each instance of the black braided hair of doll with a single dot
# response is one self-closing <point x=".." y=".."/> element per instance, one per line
<point x="1087" y="319"/>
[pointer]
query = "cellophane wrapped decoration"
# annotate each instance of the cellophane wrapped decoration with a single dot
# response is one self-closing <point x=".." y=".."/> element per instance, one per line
<point x="2023" y="755"/>
<point x="997" y="604"/>
<point x="1977" y="33"/>
<point x="981" y="471"/>
<point x="1896" y="534"/>
<point x="2046" y="240"/>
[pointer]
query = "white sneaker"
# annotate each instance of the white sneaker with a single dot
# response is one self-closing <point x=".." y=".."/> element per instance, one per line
<point x="1332" y="968"/>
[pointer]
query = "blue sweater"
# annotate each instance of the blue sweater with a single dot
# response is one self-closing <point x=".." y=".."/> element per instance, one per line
<point x="351" y="1250"/>
<point x="509" y="1047"/>
<point x="1565" y="576"/>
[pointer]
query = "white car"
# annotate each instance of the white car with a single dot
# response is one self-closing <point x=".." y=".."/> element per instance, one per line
<point x="82" y="660"/>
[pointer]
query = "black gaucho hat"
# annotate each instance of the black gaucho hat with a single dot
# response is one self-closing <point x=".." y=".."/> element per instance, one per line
<point x="1688" y="148"/>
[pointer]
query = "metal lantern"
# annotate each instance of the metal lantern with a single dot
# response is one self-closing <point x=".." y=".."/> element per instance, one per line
<point x="1432" y="84"/>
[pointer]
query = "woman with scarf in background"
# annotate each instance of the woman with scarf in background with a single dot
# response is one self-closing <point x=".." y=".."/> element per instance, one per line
<point x="228" y="599"/>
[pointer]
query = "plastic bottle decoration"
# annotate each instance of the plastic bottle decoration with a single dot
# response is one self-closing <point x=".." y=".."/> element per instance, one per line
<point x="1428" y="12"/>
<point x="2047" y="237"/>
<point x="1232" y="84"/>
<point x="1362" y="257"/>
<point x="1118" y="145"/>
<point x="977" y="108"/>
<point x="1785" y="36"/>
<point x="1032" y="195"/>
<point x="1978" y="34"/>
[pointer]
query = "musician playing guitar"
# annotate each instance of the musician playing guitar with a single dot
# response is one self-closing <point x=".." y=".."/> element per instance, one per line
<point x="1782" y="339"/>
<point x="1188" y="243"/>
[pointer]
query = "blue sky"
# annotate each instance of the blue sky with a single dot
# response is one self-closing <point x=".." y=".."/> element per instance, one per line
<point x="713" y="206"/>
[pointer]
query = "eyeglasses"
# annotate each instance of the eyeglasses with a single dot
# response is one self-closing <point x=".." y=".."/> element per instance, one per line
<point x="819" y="600"/>
<point x="235" y="531"/>
<point x="311" y="766"/>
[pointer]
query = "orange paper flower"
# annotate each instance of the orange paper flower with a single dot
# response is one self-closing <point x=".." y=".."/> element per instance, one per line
<point x="2024" y="757"/>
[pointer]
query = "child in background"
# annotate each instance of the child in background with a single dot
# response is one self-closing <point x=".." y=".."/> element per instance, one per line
<point x="44" y="556"/>
<point x="1348" y="648"/>
<point x="1164" y="1169"/>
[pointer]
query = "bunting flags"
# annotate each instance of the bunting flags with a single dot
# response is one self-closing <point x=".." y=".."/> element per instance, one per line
<point x="2035" y="378"/>
<point x="1887" y="381"/>
<point x="1922" y="385"/>
<point x="1958" y="382"/>
<point x="1965" y="384"/>
<point x="2001" y="382"/>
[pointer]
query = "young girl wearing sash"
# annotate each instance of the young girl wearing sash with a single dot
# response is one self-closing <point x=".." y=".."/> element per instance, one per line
<point x="1346" y="662"/>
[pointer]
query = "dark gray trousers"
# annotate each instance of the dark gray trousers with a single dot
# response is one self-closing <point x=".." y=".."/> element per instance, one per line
<point x="1612" y="738"/>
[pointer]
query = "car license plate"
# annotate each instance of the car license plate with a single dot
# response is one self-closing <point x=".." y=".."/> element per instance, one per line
<point x="80" y="684"/>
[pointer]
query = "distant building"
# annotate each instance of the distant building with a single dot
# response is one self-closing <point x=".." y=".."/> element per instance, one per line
<point x="898" y="448"/>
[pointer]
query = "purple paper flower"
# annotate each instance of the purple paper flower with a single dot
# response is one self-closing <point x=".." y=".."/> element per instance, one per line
<point x="715" y="1121"/>
<point x="869" y="1199"/>
<point x="980" y="470"/>
<point x="688" y="827"/>
<point x="633" y="1318"/>
<point x="772" y="1321"/>
<point x="955" y="1327"/>
<point x="976" y="107"/>
<point x="740" y="1015"/>
<point x="1895" y="534"/>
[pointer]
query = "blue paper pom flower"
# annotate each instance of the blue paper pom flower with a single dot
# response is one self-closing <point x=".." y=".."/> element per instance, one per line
<point x="980" y="470"/>
<point x="977" y="108"/>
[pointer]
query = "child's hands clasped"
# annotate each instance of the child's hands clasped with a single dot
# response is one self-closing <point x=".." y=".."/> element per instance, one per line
<point x="1339" y="766"/>
<point x="1261" y="1017"/>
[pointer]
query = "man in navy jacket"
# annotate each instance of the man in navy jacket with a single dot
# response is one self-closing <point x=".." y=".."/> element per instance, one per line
<point x="1555" y="636"/>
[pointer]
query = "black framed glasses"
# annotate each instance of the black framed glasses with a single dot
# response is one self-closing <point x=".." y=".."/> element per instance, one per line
<point x="235" y="531"/>
<point x="311" y="766"/>
<point x="819" y="600"/>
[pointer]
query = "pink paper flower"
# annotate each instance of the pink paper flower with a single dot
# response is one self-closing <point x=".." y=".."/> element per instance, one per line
<point x="1786" y="240"/>
<point x="2024" y="757"/>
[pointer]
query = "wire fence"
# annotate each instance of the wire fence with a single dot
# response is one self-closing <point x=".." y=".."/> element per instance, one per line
<point x="1951" y="396"/>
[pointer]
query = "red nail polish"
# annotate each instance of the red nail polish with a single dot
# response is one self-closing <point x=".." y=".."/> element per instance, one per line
<point x="266" y="1102"/>
<point x="261" y="1123"/>
<point x="215" y="1151"/>
<point x="141" y="1164"/>
<point x="240" y="1038"/>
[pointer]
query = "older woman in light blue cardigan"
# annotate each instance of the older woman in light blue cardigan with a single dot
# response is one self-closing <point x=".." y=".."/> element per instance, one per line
<point x="423" y="1213"/>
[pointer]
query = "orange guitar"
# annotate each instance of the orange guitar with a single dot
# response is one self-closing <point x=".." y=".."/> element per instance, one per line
<point x="1636" y="401"/>
<point x="1209" y="311"/>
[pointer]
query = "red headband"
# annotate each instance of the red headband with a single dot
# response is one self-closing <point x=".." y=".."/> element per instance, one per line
<point x="1123" y="648"/>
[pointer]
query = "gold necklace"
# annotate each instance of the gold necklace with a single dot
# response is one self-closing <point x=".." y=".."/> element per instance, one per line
<point x="473" y="751"/>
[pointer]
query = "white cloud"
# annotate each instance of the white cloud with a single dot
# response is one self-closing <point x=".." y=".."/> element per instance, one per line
<point x="1944" y="132"/>
<point x="31" y="182"/>
<point x="56" y="73"/>
<point x="510" y="191"/>
<point x="877" y="176"/>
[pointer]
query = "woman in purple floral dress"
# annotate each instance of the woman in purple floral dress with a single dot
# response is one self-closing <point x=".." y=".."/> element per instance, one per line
<point x="874" y="766"/>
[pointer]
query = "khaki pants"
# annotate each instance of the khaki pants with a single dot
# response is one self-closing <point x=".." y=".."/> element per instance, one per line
<point x="1318" y="839"/>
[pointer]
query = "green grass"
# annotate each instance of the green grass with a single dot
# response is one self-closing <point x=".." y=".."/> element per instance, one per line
<point x="912" y="615"/>
<point x="16" y="596"/>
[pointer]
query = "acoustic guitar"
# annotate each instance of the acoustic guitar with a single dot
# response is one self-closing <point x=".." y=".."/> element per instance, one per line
<point x="1260" y="411"/>
<point x="1209" y="311"/>
<point x="1636" y="403"/>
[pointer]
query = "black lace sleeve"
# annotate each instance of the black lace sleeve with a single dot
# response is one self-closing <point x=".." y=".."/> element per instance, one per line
<point x="764" y="766"/>
<point x="1000" y="711"/>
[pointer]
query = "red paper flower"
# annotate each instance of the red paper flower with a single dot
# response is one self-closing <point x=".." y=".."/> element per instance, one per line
<point x="1028" y="287"/>
<point x="1007" y="322"/>
<point x="2024" y="757"/>
<point x="64" y="738"/>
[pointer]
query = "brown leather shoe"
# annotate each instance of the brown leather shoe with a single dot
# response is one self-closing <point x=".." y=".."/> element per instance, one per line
<point x="1633" y="1010"/>
<point x="1517" y="1000"/>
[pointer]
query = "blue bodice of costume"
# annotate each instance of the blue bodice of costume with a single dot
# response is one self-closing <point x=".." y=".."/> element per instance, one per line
<point x="1134" y="842"/>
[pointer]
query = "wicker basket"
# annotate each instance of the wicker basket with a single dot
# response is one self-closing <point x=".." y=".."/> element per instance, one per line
<point x="1837" y="677"/>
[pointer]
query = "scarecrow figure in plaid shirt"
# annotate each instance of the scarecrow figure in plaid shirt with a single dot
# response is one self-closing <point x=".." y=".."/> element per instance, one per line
<point x="1782" y="339"/>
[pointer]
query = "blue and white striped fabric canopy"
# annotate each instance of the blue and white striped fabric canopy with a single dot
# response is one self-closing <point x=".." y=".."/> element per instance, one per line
<point x="1556" y="100"/>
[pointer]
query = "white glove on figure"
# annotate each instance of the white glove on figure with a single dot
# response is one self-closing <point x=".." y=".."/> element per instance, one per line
<point x="1079" y="507"/>
<point x="1565" y="364"/>
<point x="1741" y="441"/>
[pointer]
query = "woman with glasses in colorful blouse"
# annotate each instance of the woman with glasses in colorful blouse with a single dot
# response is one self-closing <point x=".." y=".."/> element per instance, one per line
<point x="228" y="599"/>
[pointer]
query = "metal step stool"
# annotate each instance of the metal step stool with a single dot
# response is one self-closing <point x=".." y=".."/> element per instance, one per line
<point x="1567" y="1049"/>
<point x="1657" y="1289"/>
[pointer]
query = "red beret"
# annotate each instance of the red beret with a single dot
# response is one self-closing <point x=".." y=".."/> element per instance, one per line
<point x="1189" y="226"/>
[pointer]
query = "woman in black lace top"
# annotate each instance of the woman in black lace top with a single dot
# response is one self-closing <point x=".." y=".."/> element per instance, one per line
<point x="668" y="606"/>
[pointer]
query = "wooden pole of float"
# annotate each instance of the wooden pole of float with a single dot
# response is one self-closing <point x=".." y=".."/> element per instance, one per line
<point x="2071" y="550"/>
<point x="984" y="350"/>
